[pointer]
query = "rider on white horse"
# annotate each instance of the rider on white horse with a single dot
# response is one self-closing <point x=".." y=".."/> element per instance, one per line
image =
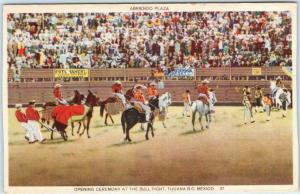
<point x="117" y="90"/>
<point x="203" y="93"/>
<point x="278" y="85"/>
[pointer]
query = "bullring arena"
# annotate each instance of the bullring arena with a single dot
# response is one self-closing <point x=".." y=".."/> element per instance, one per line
<point x="228" y="153"/>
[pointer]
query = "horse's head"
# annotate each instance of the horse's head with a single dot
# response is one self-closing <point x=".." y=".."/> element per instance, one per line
<point x="129" y="94"/>
<point x="92" y="99"/>
<point x="154" y="103"/>
<point x="169" y="98"/>
<point x="272" y="85"/>
<point x="45" y="105"/>
<point x="165" y="99"/>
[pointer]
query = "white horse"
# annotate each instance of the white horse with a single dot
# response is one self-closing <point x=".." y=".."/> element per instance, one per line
<point x="212" y="100"/>
<point x="276" y="92"/>
<point x="164" y="101"/>
<point x="202" y="109"/>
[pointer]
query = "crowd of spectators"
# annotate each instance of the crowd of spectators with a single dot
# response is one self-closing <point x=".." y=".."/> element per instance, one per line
<point x="158" y="40"/>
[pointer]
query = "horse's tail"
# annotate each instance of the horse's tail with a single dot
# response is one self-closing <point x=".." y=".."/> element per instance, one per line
<point x="194" y="111"/>
<point x="194" y="106"/>
<point x="102" y="106"/>
<point x="123" y="121"/>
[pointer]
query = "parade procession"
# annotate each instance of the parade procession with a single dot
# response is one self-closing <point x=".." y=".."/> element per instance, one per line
<point x="150" y="98"/>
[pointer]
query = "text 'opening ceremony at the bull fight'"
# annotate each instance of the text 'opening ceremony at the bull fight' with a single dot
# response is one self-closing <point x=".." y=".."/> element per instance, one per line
<point x="150" y="97"/>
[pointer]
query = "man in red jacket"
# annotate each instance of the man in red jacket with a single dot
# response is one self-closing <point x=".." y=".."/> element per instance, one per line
<point x="203" y="93"/>
<point x="33" y="120"/>
<point x="21" y="117"/>
<point x="117" y="90"/>
<point x="58" y="96"/>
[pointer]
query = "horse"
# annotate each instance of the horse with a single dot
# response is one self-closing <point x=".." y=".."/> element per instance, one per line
<point x="164" y="101"/>
<point x="112" y="106"/>
<point x="202" y="109"/>
<point x="131" y="116"/>
<point x="276" y="93"/>
<point x="91" y="101"/>
<point x="46" y="113"/>
<point x="212" y="100"/>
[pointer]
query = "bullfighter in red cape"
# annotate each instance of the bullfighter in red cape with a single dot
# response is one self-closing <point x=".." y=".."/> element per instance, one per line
<point x="63" y="113"/>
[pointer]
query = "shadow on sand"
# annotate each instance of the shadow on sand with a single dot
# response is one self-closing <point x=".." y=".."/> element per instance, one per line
<point x="127" y="143"/>
<point x="239" y="125"/>
<point x="191" y="132"/>
<point x="58" y="141"/>
<point x="103" y="125"/>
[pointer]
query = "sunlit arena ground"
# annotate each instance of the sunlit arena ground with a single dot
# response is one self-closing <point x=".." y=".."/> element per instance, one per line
<point x="228" y="153"/>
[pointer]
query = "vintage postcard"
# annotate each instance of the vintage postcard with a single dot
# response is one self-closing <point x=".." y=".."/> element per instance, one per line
<point x="185" y="97"/>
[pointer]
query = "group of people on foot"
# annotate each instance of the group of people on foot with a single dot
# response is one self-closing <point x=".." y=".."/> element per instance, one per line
<point x="30" y="122"/>
<point x="266" y="101"/>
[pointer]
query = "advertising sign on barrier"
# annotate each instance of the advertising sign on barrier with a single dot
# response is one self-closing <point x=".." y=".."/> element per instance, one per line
<point x="68" y="73"/>
<point x="181" y="72"/>
<point x="256" y="71"/>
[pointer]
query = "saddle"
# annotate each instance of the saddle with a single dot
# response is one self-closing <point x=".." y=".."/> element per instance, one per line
<point x="203" y="99"/>
<point x="139" y="108"/>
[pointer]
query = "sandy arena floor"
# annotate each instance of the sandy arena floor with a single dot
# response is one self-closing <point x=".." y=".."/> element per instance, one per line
<point x="227" y="153"/>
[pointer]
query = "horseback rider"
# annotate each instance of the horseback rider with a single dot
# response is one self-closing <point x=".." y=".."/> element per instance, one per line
<point x="152" y="91"/>
<point x="278" y="85"/>
<point x="58" y="96"/>
<point x="140" y="99"/>
<point x="203" y="93"/>
<point x="117" y="90"/>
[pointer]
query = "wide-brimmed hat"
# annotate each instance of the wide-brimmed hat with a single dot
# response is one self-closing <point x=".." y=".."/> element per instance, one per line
<point x="32" y="102"/>
<point x="277" y="78"/>
<point x="118" y="82"/>
<point x="205" y="81"/>
<point x="18" y="105"/>
<point x="152" y="84"/>
<point x="57" y="85"/>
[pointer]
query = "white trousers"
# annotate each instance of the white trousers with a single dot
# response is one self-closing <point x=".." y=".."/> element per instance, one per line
<point x="146" y="108"/>
<point x="36" y="130"/>
<point x="186" y="108"/>
<point x="268" y="111"/>
<point x="247" y="114"/>
<point x="62" y="101"/>
<point x="28" y="130"/>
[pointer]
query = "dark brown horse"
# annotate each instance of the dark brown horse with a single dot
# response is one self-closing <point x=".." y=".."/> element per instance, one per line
<point x="132" y="116"/>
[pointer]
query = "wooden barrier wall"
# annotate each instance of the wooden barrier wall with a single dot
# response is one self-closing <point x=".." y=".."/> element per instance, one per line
<point x="38" y="83"/>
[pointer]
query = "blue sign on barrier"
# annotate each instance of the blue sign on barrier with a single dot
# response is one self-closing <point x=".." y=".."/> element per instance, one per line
<point x="180" y="72"/>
